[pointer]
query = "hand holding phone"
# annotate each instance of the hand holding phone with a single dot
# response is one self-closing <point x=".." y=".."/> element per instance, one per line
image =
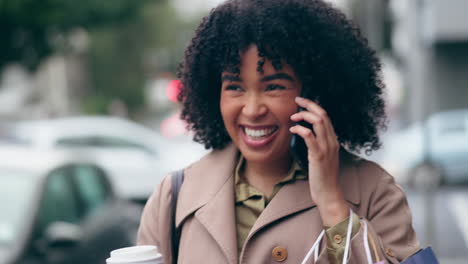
<point x="317" y="152"/>
<point x="297" y="146"/>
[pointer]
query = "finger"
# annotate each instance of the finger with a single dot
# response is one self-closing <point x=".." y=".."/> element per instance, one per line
<point x="332" y="137"/>
<point x="315" y="108"/>
<point x="307" y="116"/>
<point x="318" y="125"/>
<point x="311" y="106"/>
<point x="331" y="134"/>
<point x="308" y="137"/>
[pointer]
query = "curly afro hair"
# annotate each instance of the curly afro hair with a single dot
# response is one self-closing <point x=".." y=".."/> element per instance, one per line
<point x="328" y="53"/>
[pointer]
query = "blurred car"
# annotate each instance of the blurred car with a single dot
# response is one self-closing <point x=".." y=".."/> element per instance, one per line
<point x="137" y="158"/>
<point x="437" y="148"/>
<point x="57" y="207"/>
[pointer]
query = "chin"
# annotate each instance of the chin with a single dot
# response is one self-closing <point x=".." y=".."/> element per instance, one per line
<point x="262" y="156"/>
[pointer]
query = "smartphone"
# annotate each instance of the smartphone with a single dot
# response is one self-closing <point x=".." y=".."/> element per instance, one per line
<point x="297" y="146"/>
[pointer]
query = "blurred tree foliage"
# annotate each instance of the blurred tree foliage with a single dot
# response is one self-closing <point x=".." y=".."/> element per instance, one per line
<point x="28" y="27"/>
<point x="130" y="41"/>
<point x="124" y="57"/>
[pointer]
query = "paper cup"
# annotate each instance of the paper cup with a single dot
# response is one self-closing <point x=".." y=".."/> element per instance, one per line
<point x="136" y="255"/>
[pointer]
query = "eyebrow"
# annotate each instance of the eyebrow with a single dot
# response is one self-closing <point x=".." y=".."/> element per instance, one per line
<point x="276" y="76"/>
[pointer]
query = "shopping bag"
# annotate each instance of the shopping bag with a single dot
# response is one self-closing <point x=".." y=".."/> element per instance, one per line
<point x="424" y="256"/>
<point x="315" y="247"/>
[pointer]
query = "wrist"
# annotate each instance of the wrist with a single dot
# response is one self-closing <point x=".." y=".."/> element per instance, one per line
<point x="333" y="211"/>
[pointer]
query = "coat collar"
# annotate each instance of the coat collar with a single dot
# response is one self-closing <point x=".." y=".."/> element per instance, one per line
<point x="204" y="180"/>
<point x="295" y="197"/>
<point x="208" y="190"/>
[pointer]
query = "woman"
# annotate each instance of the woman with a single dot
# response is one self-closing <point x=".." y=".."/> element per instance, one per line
<point x="249" y="201"/>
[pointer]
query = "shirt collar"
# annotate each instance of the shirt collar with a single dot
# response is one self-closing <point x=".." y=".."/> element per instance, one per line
<point x="245" y="191"/>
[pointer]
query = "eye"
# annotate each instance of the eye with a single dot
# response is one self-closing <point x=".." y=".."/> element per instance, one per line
<point x="273" y="87"/>
<point x="232" y="87"/>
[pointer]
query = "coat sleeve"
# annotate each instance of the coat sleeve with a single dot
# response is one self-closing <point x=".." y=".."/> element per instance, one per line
<point x="336" y="238"/>
<point x="154" y="226"/>
<point x="389" y="224"/>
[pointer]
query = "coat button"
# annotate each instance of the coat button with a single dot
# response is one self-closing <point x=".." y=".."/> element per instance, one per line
<point x="389" y="252"/>
<point x="279" y="254"/>
<point x="337" y="239"/>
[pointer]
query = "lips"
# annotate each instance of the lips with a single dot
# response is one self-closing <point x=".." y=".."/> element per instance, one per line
<point x="258" y="136"/>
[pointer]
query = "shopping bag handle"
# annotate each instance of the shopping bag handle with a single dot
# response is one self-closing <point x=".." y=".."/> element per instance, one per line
<point x="316" y="244"/>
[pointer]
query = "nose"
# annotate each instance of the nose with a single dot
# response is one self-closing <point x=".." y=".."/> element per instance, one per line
<point x="254" y="108"/>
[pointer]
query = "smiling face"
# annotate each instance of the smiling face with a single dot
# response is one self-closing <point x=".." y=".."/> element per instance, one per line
<point x="256" y="107"/>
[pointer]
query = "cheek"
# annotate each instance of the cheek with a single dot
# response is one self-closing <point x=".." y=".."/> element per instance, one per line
<point x="285" y="109"/>
<point x="228" y="110"/>
<point x="223" y="105"/>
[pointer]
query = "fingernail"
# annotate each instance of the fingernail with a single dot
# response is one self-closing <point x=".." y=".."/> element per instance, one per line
<point x="299" y="99"/>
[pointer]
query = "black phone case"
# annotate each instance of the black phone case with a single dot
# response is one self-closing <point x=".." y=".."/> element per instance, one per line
<point x="298" y="148"/>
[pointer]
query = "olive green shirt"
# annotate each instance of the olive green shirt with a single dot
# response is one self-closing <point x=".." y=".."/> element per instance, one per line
<point x="250" y="203"/>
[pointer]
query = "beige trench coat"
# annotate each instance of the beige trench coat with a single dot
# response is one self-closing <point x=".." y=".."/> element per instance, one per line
<point x="290" y="221"/>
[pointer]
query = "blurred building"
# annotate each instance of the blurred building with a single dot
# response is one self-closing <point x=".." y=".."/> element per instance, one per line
<point x="15" y="91"/>
<point x="430" y="39"/>
<point x="54" y="90"/>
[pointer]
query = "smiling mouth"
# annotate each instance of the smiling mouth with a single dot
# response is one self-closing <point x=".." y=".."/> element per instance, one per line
<point x="259" y="134"/>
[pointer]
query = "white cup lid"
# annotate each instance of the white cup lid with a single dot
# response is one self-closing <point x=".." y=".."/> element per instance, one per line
<point x="134" y="254"/>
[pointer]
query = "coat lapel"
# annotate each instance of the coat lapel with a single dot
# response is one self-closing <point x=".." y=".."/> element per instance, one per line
<point x="290" y="199"/>
<point x="218" y="217"/>
<point x="295" y="197"/>
<point x="208" y="191"/>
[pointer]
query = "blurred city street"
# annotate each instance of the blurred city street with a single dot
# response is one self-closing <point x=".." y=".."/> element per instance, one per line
<point x="442" y="223"/>
<point x="89" y="116"/>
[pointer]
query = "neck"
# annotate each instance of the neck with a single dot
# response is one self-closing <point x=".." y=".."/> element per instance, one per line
<point x="264" y="175"/>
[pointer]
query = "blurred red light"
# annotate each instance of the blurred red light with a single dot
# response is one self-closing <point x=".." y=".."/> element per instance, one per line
<point x="172" y="90"/>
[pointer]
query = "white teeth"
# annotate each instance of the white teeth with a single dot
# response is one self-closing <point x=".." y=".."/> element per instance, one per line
<point x="258" y="132"/>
